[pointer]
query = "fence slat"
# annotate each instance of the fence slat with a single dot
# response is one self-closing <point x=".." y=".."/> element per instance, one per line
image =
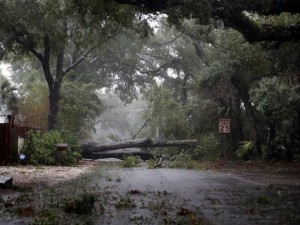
<point x="9" y="134"/>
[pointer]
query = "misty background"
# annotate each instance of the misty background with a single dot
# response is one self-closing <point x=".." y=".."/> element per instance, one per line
<point x="119" y="121"/>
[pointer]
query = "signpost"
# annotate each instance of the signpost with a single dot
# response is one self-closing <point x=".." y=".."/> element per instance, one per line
<point x="224" y="130"/>
<point x="224" y="125"/>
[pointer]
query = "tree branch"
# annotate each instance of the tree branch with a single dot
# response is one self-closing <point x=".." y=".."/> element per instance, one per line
<point x="169" y="42"/>
<point x="153" y="56"/>
<point x="198" y="44"/>
<point x="253" y="32"/>
<point x="26" y="43"/>
<point x="273" y="7"/>
<point x="142" y="127"/>
<point x="231" y="11"/>
<point x="153" y="5"/>
<point x="157" y="69"/>
<point x="46" y="61"/>
<point x="219" y="99"/>
<point x="78" y="61"/>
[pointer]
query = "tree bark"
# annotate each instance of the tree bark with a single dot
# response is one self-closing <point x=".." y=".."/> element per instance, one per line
<point x="272" y="134"/>
<point x="54" y="96"/>
<point x="237" y="132"/>
<point x="253" y="125"/>
<point x="144" y="142"/>
<point x="119" y="155"/>
<point x="260" y="6"/>
<point x="243" y="91"/>
<point x="232" y="13"/>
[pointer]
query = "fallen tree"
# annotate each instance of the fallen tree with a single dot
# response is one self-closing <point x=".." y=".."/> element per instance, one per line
<point x="117" y="154"/>
<point x="136" y="143"/>
<point x="94" y="150"/>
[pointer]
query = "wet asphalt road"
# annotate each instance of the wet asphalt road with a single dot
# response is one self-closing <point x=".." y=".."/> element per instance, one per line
<point x="214" y="197"/>
<point x="159" y="196"/>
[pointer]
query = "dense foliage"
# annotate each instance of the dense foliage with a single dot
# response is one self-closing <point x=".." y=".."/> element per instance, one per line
<point x="197" y="62"/>
<point x="56" y="37"/>
<point x="252" y="84"/>
<point x="40" y="148"/>
<point x="8" y="96"/>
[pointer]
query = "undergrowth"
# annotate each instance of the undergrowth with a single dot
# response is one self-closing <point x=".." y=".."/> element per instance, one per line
<point x="131" y="161"/>
<point x="83" y="205"/>
<point x="40" y="148"/>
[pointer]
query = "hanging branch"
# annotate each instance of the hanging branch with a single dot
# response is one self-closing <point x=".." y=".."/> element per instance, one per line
<point x="78" y="61"/>
<point x="142" y="127"/>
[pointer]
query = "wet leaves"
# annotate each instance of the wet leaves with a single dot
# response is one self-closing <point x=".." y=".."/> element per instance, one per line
<point x="263" y="200"/>
<point x="147" y="206"/>
<point x="84" y="205"/>
<point x="213" y="201"/>
<point x="250" y="211"/>
<point x="184" y="212"/>
<point x="25" y="212"/>
<point x="125" y="203"/>
<point x="134" y="192"/>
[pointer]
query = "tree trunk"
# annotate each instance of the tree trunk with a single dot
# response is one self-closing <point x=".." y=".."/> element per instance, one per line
<point x="54" y="96"/>
<point x="54" y="81"/>
<point x="272" y="134"/>
<point x="295" y="138"/>
<point x="253" y="125"/>
<point x="54" y="85"/>
<point x="184" y="90"/>
<point x="237" y="132"/>
<point x="54" y="89"/>
<point x="243" y="91"/>
<point x="143" y="142"/>
<point x="119" y="155"/>
<point x="97" y="147"/>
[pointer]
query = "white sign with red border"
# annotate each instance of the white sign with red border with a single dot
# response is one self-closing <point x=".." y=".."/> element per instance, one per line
<point x="224" y="125"/>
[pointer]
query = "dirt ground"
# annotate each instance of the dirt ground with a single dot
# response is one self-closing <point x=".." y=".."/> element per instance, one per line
<point x="221" y="193"/>
<point x="280" y="173"/>
<point x="276" y="173"/>
<point x="43" y="176"/>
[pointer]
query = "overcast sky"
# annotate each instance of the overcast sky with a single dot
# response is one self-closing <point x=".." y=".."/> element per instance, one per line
<point x="5" y="70"/>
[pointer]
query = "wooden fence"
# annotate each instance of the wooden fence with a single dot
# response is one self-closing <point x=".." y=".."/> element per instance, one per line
<point x="9" y="134"/>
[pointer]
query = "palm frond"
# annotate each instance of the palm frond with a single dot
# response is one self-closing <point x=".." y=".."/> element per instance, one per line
<point x="244" y="148"/>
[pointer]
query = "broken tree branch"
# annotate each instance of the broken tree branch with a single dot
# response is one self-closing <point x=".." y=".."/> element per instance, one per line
<point x="141" y="128"/>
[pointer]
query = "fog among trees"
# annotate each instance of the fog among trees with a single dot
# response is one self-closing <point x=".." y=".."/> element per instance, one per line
<point x="169" y="70"/>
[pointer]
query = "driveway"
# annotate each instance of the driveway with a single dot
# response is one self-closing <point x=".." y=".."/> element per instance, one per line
<point x="154" y="196"/>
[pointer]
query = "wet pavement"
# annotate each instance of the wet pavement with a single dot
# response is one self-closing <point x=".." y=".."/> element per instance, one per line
<point x="174" y="196"/>
<point x="215" y="198"/>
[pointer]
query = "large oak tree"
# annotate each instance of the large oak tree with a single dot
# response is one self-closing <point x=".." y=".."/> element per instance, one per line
<point x="237" y="14"/>
<point x="59" y="38"/>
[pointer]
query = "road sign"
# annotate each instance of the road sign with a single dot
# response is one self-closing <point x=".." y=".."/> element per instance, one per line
<point x="224" y="125"/>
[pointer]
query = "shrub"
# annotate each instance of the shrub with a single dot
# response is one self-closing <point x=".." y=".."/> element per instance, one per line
<point x="184" y="161"/>
<point x="131" y="161"/>
<point x="125" y="203"/>
<point x="84" y="205"/>
<point x="151" y="163"/>
<point x="208" y="149"/>
<point x="45" y="218"/>
<point x="40" y="148"/>
<point x="245" y="147"/>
